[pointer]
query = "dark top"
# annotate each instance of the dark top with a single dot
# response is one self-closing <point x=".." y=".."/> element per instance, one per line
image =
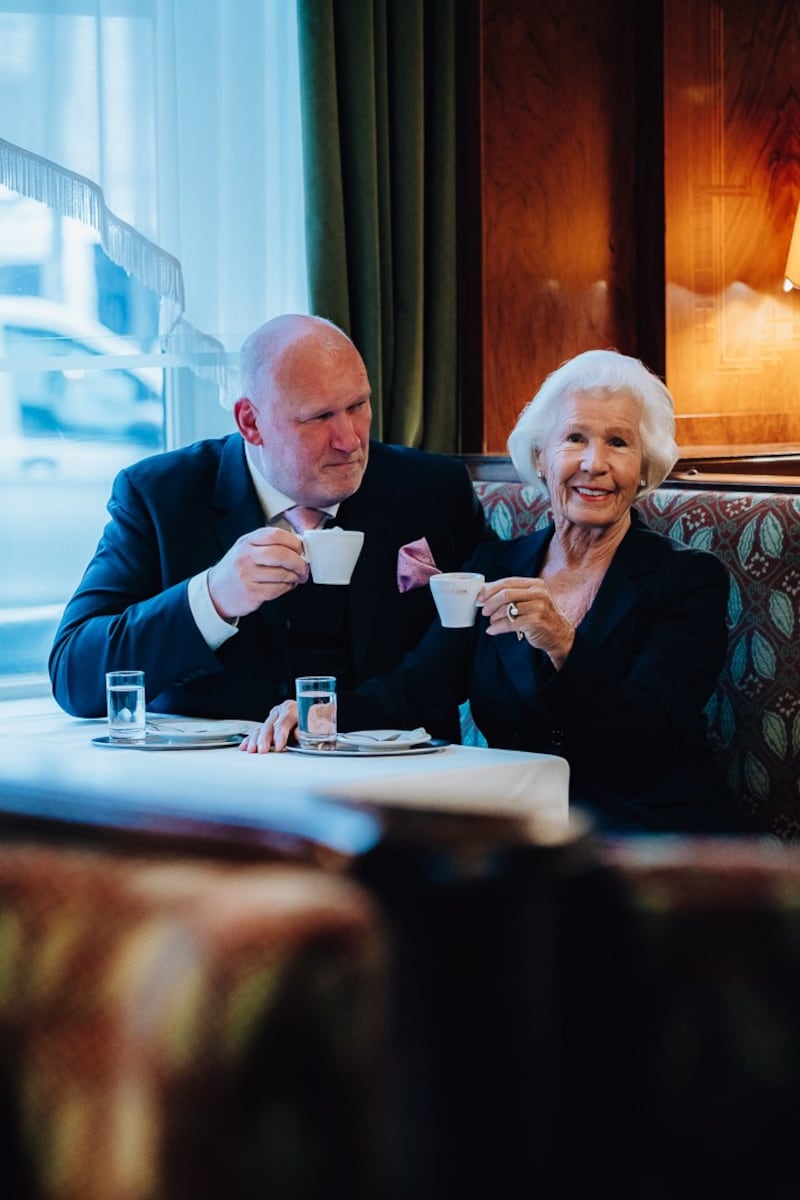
<point x="175" y="514"/>
<point x="626" y="709"/>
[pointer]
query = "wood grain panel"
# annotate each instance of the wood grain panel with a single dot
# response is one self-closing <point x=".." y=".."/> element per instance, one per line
<point x="559" y="248"/>
<point x="732" y="185"/>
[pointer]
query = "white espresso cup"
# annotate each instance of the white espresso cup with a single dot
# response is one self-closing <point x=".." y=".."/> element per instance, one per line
<point x="455" y="596"/>
<point x="332" y="553"/>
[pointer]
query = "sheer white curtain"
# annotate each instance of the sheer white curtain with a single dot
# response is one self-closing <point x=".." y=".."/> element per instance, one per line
<point x="172" y="127"/>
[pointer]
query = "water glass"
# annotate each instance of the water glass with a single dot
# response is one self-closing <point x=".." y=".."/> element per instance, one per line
<point x="126" y="705"/>
<point x="316" y="711"/>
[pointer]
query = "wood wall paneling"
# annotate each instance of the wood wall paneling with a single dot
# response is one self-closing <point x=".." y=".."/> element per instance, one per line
<point x="732" y="184"/>
<point x="558" y="193"/>
<point x="612" y="215"/>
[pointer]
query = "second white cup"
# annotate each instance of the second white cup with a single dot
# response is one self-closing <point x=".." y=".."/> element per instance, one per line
<point x="332" y="553"/>
<point x="455" y="595"/>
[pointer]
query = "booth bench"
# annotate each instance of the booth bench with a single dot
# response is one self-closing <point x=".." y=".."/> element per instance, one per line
<point x="754" y="713"/>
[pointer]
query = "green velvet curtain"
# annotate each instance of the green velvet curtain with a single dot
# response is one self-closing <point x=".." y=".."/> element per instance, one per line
<point x="379" y="111"/>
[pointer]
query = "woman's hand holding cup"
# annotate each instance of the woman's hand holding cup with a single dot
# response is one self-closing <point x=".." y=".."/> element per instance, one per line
<point x="526" y="608"/>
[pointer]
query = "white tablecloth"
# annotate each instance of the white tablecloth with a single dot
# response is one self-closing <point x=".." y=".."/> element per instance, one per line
<point x="49" y="767"/>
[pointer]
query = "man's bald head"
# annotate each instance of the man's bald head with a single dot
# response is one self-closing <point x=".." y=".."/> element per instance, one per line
<point x="280" y="341"/>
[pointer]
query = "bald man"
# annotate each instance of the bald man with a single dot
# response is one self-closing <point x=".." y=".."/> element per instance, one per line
<point x="199" y="578"/>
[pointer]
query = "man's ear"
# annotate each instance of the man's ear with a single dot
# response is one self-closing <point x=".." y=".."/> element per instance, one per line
<point x="247" y="421"/>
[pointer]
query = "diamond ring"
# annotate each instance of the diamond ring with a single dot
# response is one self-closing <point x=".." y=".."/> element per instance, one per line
<point x="512" y="612"/>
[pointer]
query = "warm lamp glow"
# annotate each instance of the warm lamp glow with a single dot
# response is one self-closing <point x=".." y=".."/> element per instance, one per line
<point x="792" y="271"/>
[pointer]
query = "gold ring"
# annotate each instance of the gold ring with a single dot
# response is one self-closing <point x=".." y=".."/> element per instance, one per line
<point x="520" y="635"/>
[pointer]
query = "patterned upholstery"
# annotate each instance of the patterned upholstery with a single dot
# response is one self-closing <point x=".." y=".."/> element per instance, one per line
<point x="172" y="1029"/>
<point x="754" y="714"/>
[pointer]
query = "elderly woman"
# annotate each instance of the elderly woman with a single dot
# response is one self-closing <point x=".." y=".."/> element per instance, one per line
<point x="600" y="640"/>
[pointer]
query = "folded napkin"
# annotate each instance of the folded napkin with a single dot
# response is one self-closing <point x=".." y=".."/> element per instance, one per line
<point x="193" y="727"/>
<point x="415" y="565"/>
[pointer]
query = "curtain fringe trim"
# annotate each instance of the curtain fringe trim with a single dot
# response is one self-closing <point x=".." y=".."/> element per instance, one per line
<point x="73" y="195"/>
<point x="185" y="340"/>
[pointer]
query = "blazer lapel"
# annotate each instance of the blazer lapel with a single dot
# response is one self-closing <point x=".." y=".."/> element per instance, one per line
<point x="619" y="590"/>
<point x="235" y="500"/>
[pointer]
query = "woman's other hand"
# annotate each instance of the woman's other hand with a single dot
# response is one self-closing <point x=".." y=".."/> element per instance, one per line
<point x="275" y="732"/>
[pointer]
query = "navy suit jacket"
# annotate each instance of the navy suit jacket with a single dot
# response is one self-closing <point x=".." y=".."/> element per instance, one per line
<point x="175" y="514"/>
<point x="626" y="709"/>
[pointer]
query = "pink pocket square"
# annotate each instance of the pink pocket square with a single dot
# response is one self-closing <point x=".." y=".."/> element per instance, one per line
<point x="415" y="565"/>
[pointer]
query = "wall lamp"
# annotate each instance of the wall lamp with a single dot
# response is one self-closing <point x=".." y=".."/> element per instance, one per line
<point x="792" y="272"/>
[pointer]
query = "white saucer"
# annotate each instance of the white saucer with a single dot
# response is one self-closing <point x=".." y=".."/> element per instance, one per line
<point x="165" y="741"/>
<point x="342" y="750"/>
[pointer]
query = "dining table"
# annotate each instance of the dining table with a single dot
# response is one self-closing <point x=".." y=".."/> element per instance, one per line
<point x="461" y="862"/>
<point x="58" y="768"/>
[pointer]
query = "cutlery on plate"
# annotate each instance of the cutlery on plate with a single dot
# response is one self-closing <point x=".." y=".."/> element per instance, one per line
<point x="392" y="736"/>
<point x="155" y="727"/>
<point x="192" y="731"/>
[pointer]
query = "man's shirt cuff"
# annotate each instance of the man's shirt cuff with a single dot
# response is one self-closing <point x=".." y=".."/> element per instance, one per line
<point x="214" y="628"/>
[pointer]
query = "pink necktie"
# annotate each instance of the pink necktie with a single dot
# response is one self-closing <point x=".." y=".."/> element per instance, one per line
<point x="301" y="518"/>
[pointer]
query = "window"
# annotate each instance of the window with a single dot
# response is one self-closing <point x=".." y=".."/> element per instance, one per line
<point x="171" y="128"/>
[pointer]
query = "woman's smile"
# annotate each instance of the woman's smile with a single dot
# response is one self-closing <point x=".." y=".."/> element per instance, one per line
<point x="593" y="493"/>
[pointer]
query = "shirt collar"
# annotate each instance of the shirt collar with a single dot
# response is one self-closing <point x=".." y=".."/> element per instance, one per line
<point x="272" y="501"/>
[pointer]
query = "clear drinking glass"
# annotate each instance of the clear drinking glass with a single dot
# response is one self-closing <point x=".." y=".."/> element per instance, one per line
<point x="316" y="711"/>
<point x="126" y="705"/>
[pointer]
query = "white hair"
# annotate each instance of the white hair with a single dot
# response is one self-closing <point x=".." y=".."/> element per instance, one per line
<point x="603" y="371"/>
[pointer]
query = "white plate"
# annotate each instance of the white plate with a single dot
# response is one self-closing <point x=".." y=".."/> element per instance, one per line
<point x="342" y="750"/>
<point x="165" y="741"/>
<point x="385" y="740"/>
